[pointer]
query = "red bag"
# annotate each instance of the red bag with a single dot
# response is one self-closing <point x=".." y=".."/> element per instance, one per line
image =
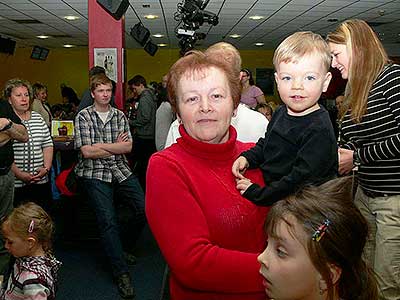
<point x="66" y="182"/>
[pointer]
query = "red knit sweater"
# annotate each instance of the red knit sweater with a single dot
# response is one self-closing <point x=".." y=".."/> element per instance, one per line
<point x="208" y="233"/>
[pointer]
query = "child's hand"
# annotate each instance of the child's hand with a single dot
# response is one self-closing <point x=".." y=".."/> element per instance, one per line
<point x="243" y="184"/>
<point x="239" y="167"/>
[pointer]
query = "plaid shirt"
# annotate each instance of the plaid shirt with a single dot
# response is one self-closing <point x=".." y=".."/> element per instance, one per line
<point x="89" y="130"/>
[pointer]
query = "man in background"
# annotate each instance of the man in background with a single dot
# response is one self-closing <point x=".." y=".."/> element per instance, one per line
<point x="143" y="127"/>
<point x="103" y="137"/>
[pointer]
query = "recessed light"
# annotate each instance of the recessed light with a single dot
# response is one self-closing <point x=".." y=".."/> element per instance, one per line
<point x="256" y="17"/>
<point x="162" y="45"/>
<point x="259" y="44"/>
<point x="71" y="18"/>
<point x="42" y="36"/>
<point x="68" y="46"/>
<point x="235" y="36"/>
<point x="158" y="35"/>
<point x="151" y="17"/>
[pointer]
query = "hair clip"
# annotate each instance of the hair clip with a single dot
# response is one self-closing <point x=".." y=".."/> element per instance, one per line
<point x="31" y="226"/>
<point x="319" y="233"/>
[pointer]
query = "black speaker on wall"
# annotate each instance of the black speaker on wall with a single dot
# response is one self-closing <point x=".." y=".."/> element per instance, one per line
<point x="116" y="8"/>
<point x="140" y="33"/>
<point x="150" y="48"/>
<point x="7" y="46"/>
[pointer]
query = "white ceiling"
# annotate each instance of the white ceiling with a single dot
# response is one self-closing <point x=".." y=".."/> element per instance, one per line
<point x="281" y="18"/>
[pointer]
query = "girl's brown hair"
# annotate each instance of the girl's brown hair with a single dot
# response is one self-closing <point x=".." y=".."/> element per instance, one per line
<point x="367" y="58"/>
<point x="30" y="219"/>
<point x="343" y="242"/>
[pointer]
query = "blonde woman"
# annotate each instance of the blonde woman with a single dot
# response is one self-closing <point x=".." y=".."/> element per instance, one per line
<point x="370" y="135"/>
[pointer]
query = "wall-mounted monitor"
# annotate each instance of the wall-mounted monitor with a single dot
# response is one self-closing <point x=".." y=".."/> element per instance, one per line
<point x="39" y="53"/>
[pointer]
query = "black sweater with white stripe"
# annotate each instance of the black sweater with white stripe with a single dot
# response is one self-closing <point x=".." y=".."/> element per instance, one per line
<point x="377" y="137"/>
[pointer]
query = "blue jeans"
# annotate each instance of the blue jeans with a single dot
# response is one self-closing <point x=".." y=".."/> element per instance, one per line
<point x="103" y="197"/>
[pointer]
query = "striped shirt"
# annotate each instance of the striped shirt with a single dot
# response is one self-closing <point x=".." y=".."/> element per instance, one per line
<point x="377" y="137"/>
<point x="89" y="130"/>
<point x="28" y="157"/>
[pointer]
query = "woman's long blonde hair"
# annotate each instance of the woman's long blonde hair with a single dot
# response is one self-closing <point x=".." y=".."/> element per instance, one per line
<point x="367" y="58"/>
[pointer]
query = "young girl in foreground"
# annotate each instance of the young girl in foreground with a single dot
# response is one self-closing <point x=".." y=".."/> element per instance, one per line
<point x="316" y="238"/>
<point x="27" y="235"/>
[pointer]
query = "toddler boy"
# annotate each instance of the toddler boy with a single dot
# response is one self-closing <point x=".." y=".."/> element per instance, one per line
<point x="299" y="147"/>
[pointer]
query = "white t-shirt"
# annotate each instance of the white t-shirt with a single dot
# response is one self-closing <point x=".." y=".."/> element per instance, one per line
<point x="103" y="115"/>
<point x="249" y="124"/>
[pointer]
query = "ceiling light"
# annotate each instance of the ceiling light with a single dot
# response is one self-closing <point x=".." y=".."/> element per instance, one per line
<point x="235" y="36"/>
<point x="259" y="44"/>
<point x="158" y="35"/>
<point x="42" y="36"/>
<point x="256" y="17"/>
<point x="151" y="17"/>
<point x="68" y="46"/>
<point x="162" y="45"/>
<point x="71" y="18"/>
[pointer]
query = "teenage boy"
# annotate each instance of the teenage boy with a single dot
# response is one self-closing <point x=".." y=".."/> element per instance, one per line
<point x="299" y="147"/>
<point x="102" y="135"/>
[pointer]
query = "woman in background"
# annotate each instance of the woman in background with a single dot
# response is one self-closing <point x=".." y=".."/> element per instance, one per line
<point x="251" y="94"/>
<point x="32" y="160"/>
<point x="40" y="104"/>
<point x="370" y="139"/>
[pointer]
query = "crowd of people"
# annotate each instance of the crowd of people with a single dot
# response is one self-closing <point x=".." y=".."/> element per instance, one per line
<point x="243" y="200"/>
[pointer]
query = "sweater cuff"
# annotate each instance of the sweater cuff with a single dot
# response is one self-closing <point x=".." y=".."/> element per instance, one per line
<point x="251" y="192"/>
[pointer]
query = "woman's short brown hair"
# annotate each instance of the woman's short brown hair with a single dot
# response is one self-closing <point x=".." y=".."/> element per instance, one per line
<point x="198" y="62"/>
<point x="14" y="83"/>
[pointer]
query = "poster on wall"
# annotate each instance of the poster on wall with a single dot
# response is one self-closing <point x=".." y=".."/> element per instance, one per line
<point x="107" y="58"/>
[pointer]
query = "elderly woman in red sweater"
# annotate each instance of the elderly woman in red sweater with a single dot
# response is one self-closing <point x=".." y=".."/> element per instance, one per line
<point x="208" y="233"/>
